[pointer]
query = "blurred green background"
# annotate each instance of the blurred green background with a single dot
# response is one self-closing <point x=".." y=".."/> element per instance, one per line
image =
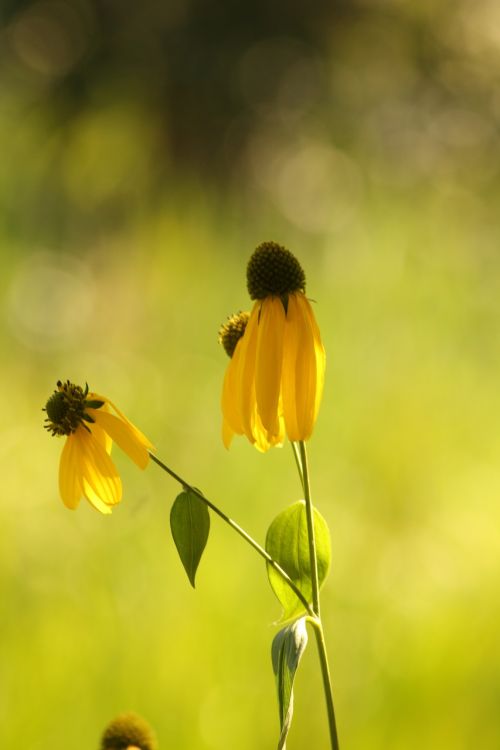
<point x="146" y="150"/>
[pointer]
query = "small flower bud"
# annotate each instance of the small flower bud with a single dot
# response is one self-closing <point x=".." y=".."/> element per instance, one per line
<point x="231" y="332"/>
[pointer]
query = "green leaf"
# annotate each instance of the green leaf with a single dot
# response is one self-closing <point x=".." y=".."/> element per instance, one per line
<point x="190" y="524"/>
<point x="287" y="543"/>
<point x="288" y="646"/>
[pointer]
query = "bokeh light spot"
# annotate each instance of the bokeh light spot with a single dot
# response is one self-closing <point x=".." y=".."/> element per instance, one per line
<point x="49" y="301"/>
<point x="50" y="38"/>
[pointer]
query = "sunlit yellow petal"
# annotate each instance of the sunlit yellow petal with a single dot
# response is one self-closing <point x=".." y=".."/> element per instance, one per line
<point x="140" y="437"/>
<point x="100" y="480"/>
<point x="227" y="434"/>
<point x="288" y="379"/>
<point x="100" y="435"/>
<point x="269" y="360"/>
<point x="246" y="372"/>
<point x="263" y="440"/>
<point x="319" y="352"/>
<point x="308" y="381"/>
<point x="305" y="384"/>
<point x="259" y="433"/>
<point x="279" y="437"/>
<point x="70" y="485"/>
<point x="122" y="434"/>
<point x="96" y="502"/>
<point x="230" y="400"/>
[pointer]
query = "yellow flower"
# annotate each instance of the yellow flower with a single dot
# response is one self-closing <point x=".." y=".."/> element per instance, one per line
<point x="274" y="381"/>
<point x="91" y="423"/>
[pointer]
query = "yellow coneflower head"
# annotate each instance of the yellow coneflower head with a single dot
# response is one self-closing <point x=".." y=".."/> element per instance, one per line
<point x="91" y="423"/>
<point x="274" y="381"/>
<point x="128" y="732"/>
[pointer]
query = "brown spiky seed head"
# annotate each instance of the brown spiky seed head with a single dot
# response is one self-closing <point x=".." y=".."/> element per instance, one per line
<point x="274" y="270"/>
<point x="128" y="730"/>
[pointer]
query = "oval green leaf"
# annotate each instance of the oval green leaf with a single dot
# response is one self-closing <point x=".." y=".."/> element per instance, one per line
<point x="287" y="649"/>
<point x="287" y="543"/>
<point x="190" y="525"/>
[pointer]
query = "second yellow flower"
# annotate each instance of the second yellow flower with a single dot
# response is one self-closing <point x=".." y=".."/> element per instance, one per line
<point x="274" y="381"/>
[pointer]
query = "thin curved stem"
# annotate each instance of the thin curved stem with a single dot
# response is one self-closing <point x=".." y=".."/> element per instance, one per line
<point x="262" y="552"/>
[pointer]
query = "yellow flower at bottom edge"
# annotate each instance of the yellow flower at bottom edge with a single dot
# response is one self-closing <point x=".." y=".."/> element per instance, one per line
<point x="274" y="381"/>
<point x="129" y="732"/>
<point x="91" y="423"/>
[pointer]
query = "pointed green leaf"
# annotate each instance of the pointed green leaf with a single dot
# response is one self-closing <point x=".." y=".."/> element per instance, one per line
<point x="287" y="649"/>
<point x="190" y="524"/>
<point x="287" y="543"/>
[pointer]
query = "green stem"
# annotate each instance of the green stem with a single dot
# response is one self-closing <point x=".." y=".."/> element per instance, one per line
<point x="313" y="558"/>
<point x="316" y="621"/>
<point x="327" y="684"/>
<point x="262" y="552"/>
<point x="298" y="463"/>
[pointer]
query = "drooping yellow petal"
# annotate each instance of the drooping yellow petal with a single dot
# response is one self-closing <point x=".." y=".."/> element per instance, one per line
<point x="259" y="433"/>
<point x="100" y="435"/>
<point x="123" y="435"/>
<point x="288" y="378"/>
<point x="230" y="400"/>
<point x="70" y="485"/>
<point x="269" y="360"/>
<point x="140" y="437"/>
<point x="263" y="440"/>
<point x="100" y="480"/>
<point x="227" y="433"/>
<point x="280" y="436"/>
<point x="309" y="371"/>
<point x="97" y="503"/>
<point x="319" y="352"/>
<point x="245" y="385"/>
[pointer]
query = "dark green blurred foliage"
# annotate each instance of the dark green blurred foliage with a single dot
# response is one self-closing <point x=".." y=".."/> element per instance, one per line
<point x="181" y="59"/>
<point x="206" y="90"/>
